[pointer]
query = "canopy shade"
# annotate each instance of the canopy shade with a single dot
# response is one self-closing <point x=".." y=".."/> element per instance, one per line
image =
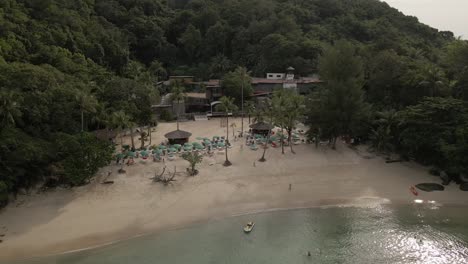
<point x="261" y="126"/>
<point x="178" y="134"/>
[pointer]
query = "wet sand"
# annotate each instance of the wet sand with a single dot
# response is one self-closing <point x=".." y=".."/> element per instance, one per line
<point x="70" y="219"/>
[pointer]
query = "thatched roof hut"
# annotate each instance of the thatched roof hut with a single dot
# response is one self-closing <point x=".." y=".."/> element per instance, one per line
<point x="178" y="136"/>
<point x="261" y="128"/>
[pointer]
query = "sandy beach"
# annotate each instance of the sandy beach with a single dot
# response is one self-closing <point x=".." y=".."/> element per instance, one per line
<point x="95" y="214"/>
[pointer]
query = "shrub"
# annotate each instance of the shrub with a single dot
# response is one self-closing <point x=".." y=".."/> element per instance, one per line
<point x="166" y="115"/>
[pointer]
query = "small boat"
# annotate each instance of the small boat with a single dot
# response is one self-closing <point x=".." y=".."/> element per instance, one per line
<point x="248" y="227"/>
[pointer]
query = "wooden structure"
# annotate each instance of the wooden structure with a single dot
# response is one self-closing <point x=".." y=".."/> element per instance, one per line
<point x="261" y="128"/>
<point x="178" y="136"/>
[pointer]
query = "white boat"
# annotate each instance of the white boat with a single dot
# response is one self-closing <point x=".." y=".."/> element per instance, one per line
<point x="248" y="227"/>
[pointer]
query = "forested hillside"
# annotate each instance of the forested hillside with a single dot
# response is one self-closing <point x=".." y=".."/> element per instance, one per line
<point x="67" y="67"/>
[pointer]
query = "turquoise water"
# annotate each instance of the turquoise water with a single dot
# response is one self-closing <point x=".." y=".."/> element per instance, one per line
<point x="419" y="233"/>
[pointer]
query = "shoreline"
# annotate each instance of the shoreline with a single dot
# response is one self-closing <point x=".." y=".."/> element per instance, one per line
<point x="216" y="219"/>
<point x="378" y="201"/>
<point x="96" y="215"/>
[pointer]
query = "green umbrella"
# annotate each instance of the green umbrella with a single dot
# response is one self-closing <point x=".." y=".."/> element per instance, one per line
<point x="221" y="144"/>
<point x="187" y="148"/>
<point x="144" y="153"/>
<point x="205" y="139"/>
<point x="159" y="151"/>
<point x="131" y="154"/>
<point x="177" y="146"/>
<point x="188" y="144"/>
<point x="120" y="156"/>
<point x="199" y="147"/>
<point x="162" y="147"/>
<point x="172" y="150"/>
<point x="199" y="138"/>
<point x="196" y="144"/>
<point x="273" y="138"/>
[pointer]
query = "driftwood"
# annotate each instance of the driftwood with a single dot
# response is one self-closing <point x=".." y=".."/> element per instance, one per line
<point x="430" y="187"/>
<point x="165" y="180"/>
<point x="107" y="182"/>
<point x="394" y="161"/>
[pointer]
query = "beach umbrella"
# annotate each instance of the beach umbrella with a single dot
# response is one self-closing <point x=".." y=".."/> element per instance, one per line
<point x="187" y="148"/>
<point x="273" y="138"/>
<point x="199" y="138"/>
<point x="199" y="147"/>
<point x="131" y="154"/>
<point x="188" y="144"/>
<point x="144" y="153"/>
<point x="205" y="139"/>
<point x="221" y="144"/>
<point x="120" y="156"/>
<point x="159" y="151"/>
<point x="177" y="146"/>
<point x="196" y="144"/>
<point x="162" y="147"/>
<point x="172" y="150"/>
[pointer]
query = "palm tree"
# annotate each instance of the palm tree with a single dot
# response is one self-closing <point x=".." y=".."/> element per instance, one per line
<point x="177" y="95"/>
<point x="434" y="81"/>
<point x="293" y="111"/>
<point x="250" y="108"/>
<point x="227" y="105"/>
<point x="268" y="111"/>
<point x="10" y="108"/>
<point x="279" y="107"/>
<point x="87" y="103"/>
<point x="120" y="120"/>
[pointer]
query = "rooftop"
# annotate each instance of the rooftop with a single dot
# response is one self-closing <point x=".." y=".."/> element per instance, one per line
<point x="178" y="134"/>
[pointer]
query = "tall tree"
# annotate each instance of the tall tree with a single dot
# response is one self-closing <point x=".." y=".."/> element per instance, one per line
<point x="338" y="108"/>
<point x="10" y="108"/>
<point x="177" y="95"/>
<point x="87" y="104"/>
<point x="120" y="120"/>
<point x="227" y="106"/>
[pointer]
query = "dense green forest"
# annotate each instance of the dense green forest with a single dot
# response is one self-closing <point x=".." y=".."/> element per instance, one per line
<point x="69" y="67"/>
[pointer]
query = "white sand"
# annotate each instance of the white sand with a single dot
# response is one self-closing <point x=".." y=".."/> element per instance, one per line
<point x="69" y="219"/>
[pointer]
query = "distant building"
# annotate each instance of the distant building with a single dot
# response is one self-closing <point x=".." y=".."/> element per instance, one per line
<point x="302" y="85"/>
<point x="207" y="94"/>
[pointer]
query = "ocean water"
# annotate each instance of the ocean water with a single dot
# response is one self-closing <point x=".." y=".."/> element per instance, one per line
<point x="419" y="233"/>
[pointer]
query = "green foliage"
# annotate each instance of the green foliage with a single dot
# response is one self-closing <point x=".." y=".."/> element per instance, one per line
<point x="166" y="115"/>
<point x="233" y="83"/>
<point x="433" y="132"/>
<point x="82" y="156"/>
<point x="338" y="108"/>
<point x="193" y="158"/>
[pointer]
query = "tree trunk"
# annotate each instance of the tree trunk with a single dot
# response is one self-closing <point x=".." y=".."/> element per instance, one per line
<point x="282" y="140"/>
<point x="249" y="118"/>
<point x="227" y="162"/>
<point x="149" y="134"/>
<point x="290" y="140"/>
<point x="82" y="120"/>
<point x="262" y="159"/>
<point x="121" y="139"/>
<point x="334" y="142"/>
<point x="131" y="137"/>
<point x="142" y="138"/>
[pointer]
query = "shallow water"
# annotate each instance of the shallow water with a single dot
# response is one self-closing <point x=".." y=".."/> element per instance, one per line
<point x="419" y="233"/>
